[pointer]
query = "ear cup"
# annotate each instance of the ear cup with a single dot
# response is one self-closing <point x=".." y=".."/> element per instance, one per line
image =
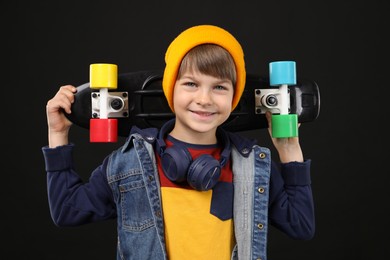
<point x="175" y="163"/>
<point x="204" y="173"/>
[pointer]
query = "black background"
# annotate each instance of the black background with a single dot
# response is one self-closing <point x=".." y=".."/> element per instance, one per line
<point x="342" y="45"/>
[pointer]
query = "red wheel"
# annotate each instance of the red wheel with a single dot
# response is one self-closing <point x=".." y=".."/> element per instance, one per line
<point x="103" y="130"/>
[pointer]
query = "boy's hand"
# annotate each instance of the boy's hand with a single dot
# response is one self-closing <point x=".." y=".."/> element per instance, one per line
<point x="57" y="122"/>
<point x="289" y="148"/>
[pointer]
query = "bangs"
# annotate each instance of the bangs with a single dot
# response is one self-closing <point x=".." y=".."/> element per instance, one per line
<point x="209" y="59"/>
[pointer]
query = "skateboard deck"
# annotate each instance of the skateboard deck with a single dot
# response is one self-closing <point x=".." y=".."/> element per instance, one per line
<point x="139" y="100"/>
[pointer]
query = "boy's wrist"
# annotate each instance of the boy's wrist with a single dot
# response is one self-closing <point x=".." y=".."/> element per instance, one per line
<point x="291" y="155"/>
<point x="58" y="139"/>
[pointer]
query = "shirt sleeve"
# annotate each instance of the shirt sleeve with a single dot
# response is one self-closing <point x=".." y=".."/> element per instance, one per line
<point x="72" y="201"/>
<point x="291" y="207"/>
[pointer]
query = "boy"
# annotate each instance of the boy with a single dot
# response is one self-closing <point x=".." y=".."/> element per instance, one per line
<point x="176" y="192"/>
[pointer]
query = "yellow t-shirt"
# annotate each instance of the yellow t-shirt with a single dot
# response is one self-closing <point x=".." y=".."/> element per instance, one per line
<point x="191" y="230"/>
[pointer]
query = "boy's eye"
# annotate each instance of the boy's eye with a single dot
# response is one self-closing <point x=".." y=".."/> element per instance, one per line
<point x="190" y="84"/>
<point x="220" y="87"/>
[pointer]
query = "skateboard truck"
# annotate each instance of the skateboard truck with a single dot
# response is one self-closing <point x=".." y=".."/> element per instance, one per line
<point x="104" y="104"/>
<point x="277" y="100"/>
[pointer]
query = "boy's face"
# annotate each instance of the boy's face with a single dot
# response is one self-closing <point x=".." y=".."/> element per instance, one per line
<point x="201" y="103"/>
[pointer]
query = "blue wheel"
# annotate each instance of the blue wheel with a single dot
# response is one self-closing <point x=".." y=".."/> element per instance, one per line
<point x="282" y="73"/>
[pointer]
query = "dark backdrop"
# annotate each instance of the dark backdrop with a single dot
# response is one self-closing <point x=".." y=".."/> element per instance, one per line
<point x="339" y="44"/>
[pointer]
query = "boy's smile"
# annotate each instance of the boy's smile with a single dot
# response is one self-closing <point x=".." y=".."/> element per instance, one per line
<point x="202" y="103"/>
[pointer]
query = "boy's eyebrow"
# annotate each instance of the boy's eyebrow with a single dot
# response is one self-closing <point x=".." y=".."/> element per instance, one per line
<point x="192" y="77"/>
<point x="217" y="82"/>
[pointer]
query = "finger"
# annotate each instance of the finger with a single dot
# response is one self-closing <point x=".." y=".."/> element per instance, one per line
<point x="56" y="104"/>
<point x="66" y="105"/>
<point x="68" y="87"/>
<point x="68" y="91"/>
<point x="62" y="100"/>
<point x="66" y="96"/>
<point x="268" y="115"/>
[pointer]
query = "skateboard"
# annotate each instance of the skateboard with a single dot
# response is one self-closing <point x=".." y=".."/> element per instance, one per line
<point x="136" y="98"/>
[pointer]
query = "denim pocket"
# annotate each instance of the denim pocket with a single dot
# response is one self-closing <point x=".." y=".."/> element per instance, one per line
<point x="136" y="213"/>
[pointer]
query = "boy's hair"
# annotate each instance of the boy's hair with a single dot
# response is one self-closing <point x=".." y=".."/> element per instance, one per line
<point x="196" y="36"/>
<point x="209" y="59"/>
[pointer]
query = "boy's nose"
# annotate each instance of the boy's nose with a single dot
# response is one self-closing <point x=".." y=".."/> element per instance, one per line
<point x="203" y="97"/>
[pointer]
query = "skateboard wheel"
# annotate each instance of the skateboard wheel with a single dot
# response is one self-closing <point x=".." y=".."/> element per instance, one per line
<point x="103" y="130"/>
<point x="103" y="75"/>
<point x="282" y="73"/>
<point x="284" y="126"/>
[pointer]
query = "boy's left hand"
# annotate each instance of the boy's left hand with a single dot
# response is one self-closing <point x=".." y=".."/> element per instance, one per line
<point x="288" y="148"/>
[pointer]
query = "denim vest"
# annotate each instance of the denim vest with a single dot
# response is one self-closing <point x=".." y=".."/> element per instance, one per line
<point x="132" y="174"/>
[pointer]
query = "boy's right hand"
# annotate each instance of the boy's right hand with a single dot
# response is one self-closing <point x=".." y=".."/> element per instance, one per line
<point x="57" y="122"/>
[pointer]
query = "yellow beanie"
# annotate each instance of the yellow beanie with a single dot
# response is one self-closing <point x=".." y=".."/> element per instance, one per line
<point x="195" y="36"/>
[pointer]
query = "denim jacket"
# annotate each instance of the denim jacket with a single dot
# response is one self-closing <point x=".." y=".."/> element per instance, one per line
<point x="131" y="173"/>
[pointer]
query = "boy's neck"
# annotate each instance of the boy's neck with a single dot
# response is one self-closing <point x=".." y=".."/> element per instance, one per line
<point x="194" y="137"/>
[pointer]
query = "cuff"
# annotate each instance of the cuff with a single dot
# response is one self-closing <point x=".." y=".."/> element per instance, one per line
<point x="58" y="158"/>
<point x="296" y="173"/>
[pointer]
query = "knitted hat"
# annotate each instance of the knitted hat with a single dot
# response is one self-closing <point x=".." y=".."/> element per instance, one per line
<point x="195" y="36"/>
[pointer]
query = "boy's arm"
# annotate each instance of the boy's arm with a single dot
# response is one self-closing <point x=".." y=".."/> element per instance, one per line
<point x="73" y="202"/>
<point x="291" y="198"/>
<point x="291" y="205"/>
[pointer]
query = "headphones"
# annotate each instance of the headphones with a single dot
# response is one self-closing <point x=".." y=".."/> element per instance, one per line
<point x="202" y="173"/>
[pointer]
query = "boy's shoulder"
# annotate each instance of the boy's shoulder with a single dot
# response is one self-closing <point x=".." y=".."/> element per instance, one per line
<point x="241" y="143"/>
<point x="149" y="134"/>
